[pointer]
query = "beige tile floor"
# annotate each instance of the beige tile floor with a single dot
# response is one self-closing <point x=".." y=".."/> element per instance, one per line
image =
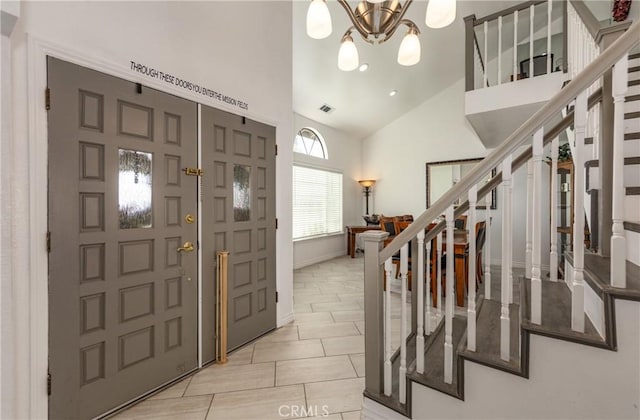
<point x="316" y="362"/>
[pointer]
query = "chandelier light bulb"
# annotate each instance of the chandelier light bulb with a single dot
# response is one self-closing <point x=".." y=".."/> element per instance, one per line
<point x="348" y="55"/>
<point x="318" y="20"/>
<point x="409" y="52"/>
<point x="440" y="13"/>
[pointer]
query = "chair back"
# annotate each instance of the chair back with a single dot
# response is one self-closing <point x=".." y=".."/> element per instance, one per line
<point x="480" y="235"/>
<point x="388" y="224"/>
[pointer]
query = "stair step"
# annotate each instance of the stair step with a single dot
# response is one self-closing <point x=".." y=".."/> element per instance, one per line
<point x="631" y="136"/>
<point x="631" y="115"/>
<point x="597" y="270"/>
<point x="634" y="56"/>
<point x="632" y="190"/>
<point x="634" y="82"/>
<point x="488" y="343"/>
<point x="433" y="376"/>
<point x="556" y="315"/>
<point x="632" y="98"/>
<point x="632" y="226"/>
<point x="588" y="140"/>
<point x="634" y="69"/>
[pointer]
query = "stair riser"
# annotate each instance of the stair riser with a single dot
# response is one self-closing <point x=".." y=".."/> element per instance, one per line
<point x="633" y="90"/>
<point x="634" y="75"/>
<point x="632" y="106"/>
<point x="631" y="176"/>
<point x="632" y="208"/>
<point x="633" y="246"/>
<point x="631" y="149"/>
<point x="634" y="62"/>
<point x="632" y="125"/>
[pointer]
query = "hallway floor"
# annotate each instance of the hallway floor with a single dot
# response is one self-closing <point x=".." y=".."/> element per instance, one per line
<point x="313" y="366"/>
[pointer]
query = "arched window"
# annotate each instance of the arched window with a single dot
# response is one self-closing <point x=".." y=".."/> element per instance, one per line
<point x="309" y="142"/>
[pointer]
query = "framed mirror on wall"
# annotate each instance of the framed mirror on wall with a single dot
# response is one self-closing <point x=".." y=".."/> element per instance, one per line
<point x="441" y="176"/>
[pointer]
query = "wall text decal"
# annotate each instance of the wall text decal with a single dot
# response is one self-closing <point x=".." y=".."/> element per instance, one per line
<point x="187" y="85"/>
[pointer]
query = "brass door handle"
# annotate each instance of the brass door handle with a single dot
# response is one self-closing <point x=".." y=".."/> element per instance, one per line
<point x="186" y="247"/>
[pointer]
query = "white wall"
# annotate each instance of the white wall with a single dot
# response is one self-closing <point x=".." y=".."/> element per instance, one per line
<point x="242" y="49"/>
<point x="345" y="156"/>
<point x="437" y="130"/>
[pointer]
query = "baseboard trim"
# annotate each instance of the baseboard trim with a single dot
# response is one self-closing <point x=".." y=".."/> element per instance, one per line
<point x="284" y="320"/>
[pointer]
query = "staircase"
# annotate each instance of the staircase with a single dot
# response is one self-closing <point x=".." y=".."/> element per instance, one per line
<point x="575" y="339"/>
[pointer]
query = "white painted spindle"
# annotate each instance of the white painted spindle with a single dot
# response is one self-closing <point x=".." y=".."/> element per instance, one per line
<point x="404" y="268"/>
<point x="549" y="63"/>
<point x="618" y="240"/>
<point x="471" y="274"/>
<point x="515" y="46"/>
<point x="536" y="272"/>
<point x="529" y="225"/>
<point x="531" y="18"/>
<point x="577" y="295"/>
<point x="388" y="268"/>
<point x="500" y="50"/>
<point x="487" y="248"/>
<point x="486" y="61"/>
<point x="419" y="279"/>
<point x="553" y="211"/>
<point x="450" y="301"/>
<point x="429" y="325"/>
<point x="506" y="243"/>
<point x="439" y="277"/>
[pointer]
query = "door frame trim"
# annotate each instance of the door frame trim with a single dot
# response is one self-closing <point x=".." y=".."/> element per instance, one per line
<point x="34" y="301"/>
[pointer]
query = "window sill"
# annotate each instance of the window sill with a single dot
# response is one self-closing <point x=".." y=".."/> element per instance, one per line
<point x="326" y="235"/>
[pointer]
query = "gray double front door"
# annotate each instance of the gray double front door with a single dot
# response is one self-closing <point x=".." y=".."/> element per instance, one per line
<point x="123" y="261"/>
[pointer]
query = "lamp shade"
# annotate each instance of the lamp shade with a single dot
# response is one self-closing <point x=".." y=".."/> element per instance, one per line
<point x="367" y="182"/>
<point x="318" y="20"/>
<point x="376" y="1"/>
<point x="348" y="55"/>
<point x="409" y="52"/>
<point x="440" y="13"/>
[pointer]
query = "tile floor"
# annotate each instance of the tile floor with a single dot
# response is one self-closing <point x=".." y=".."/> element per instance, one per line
<point x="316" y="362"/>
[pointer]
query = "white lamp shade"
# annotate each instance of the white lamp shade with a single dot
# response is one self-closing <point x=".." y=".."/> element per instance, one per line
<point x="348" y="56"/>
<point x="440" y="13"/>
<point x="376" y="1"/>
<point x="409" y="52"/>
<point x="318" y="20"/>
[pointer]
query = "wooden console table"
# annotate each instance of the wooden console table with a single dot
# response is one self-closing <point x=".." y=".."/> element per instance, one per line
<point x="352" y="231"/>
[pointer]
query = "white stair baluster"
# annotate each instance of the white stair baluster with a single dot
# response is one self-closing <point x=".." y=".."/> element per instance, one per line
<point x="404" y="266"/>
<point x="428" y="321"/>
<point x="536" y="273"/>
<point x="506" y="243"/>
<point x="618" y="240"/>
<point x="487" y="245"/>
<point x="500" y="50"/>
<point x="419" y="281"/>
<point x="471" y="274"/>
<point x="439" y="277"/>
<point x="450" y="301"/>
<point x="388" y="268"/>
<point x="529" y="225"/>
<point x="577" y="295"/>
<point x="486" y="61"/>
<point x="553" y="211"/>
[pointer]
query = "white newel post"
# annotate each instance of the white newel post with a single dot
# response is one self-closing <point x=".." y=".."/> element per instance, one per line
<point x="506" y="243"/>
<point x="450" y="301"/>
<point x="577" y="295"/>
<point x="529" y="224"/>
<point x="553" y="211"/>
<point x="536" y="260"/>
<point x="419" y="281"/>
<point x="388" y="269"/>
<point x="471" y="274"/>
<point x="487" y="245"/>
<point x="618" y="240"/>
<point x="404" y="268"/>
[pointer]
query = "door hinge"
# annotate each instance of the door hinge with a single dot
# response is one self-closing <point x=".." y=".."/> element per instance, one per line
<point x="276" y="149"/>
<point x="48" y="383"/>
<point x="48" y="241"/>
<point x="276" y="297"/>
<point x="193" y="171"/>
<point x="47" y="99"/>
<point x="276" y="223"/>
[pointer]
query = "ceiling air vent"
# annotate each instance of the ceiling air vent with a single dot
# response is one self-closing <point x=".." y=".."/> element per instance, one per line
<point x="326" y="108"/>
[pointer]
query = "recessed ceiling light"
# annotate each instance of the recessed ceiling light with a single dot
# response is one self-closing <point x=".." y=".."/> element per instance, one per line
<point x="364" y="67"/>
<point x="393" y="93"/>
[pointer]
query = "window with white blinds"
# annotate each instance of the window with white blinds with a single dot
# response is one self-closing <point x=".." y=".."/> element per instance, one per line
<point x="317" y="202"/>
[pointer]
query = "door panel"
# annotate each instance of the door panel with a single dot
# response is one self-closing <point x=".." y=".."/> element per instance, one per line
<point x="122" y="299"/>
<point x="239" y="215"/>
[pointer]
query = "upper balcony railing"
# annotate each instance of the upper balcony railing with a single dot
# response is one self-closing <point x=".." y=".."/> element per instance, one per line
<point x="527" y="39"/>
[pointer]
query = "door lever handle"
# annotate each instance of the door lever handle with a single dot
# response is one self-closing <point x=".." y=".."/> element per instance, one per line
<point x="186" y="247"/>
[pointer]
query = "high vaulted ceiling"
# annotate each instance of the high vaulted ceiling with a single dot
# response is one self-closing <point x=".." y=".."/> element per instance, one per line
<point x="361" y="100"/>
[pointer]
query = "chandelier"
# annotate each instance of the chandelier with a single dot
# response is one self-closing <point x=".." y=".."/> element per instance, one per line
<point x="376" y="21"/>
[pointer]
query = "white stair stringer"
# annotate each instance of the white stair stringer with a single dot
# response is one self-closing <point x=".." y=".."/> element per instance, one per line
<point x="566" y="380"/>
